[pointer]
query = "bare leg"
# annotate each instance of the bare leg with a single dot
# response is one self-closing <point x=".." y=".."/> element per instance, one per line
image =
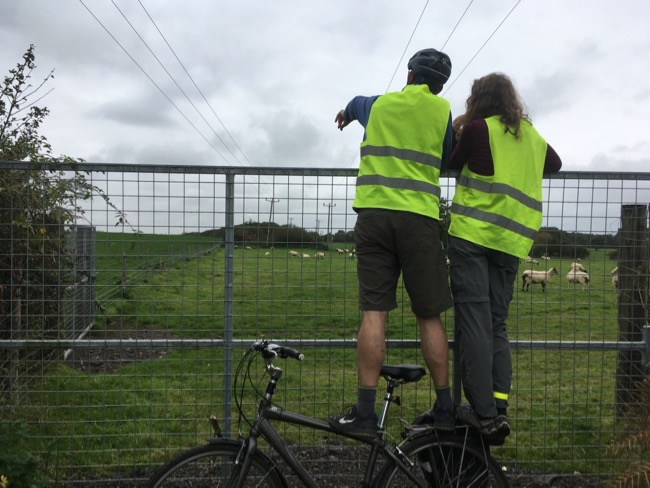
<point x="435" y="349"/>
<point x="371" y="348"/>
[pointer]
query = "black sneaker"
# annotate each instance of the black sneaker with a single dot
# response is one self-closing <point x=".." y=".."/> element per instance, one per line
<point x="351" y="423"/>
<point x="441" y="418"/>
<point x="445" y="417"/>
<point x="502" y="425"/>
<point x="468" y="416"/>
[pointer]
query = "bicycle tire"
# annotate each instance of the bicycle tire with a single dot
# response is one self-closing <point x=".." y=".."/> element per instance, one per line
<point x="444" y="462"/>
<point x="212" y="465"/>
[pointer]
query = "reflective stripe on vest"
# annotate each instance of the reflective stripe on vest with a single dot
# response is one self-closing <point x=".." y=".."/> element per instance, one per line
<point x="401" y="154"/>
<point x="503" y="211"/>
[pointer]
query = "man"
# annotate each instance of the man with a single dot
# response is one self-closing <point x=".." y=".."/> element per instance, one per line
<point x="407" y="142"/>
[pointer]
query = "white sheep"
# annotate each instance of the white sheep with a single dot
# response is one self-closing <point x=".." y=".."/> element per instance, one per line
<point x="319" y="255"/>
<point x="614" y="274"/>
<point x="575" y="276"/>
<point x="340" y="251"/>
<point x="578" y="267"/>
<point x="530" y="260"/>
<point x="305" y="255"/>
<point x="531" y="277"/>
<point x="248" y="248"/>
<point x="293" y="254"/>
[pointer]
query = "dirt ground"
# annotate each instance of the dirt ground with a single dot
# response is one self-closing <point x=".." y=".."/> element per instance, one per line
<point x="325" y="460"/>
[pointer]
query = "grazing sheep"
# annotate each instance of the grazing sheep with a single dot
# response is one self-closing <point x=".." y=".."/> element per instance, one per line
<point x="248" y="248"/>
<point x="575" y="276"/>
<point x="340" y="251"/>
<point x="293" y="254"/>
<point x="531" y="277"/>
<point x="530" y="260"/>
<point x="319" y="255"/>
<point x="267" y="253"/>
<point x="305" y="255"/>
<point x="545" y="258"/>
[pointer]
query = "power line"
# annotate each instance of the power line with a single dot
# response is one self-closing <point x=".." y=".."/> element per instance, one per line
<point x="194" y="83"/>
<point x="408" y="43"/>
<point x="173" y="79"/>
<point x="482" y="46"/>
<point x="152" y="80"/>
<point x="456" y="26"/>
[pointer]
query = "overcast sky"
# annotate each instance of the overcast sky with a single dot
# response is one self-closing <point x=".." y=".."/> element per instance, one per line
<point x="267" y="77"/>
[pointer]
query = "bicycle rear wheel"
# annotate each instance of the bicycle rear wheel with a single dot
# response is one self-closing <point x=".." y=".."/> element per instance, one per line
<point x="444" y="462"/>
<point x="212" y="466"/>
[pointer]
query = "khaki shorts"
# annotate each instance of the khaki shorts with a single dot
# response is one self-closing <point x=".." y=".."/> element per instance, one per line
<point x="390" y="242"/>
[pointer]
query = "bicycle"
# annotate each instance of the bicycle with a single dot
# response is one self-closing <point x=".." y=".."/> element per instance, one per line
<point x="423" y="458"/>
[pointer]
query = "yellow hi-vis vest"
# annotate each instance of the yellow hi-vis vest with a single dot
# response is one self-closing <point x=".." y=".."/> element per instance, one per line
<point x="503" y="211"/>
<point x="402" y="151"/>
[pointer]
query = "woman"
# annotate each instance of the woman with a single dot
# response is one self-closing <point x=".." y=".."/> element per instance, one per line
<point x="495" y="215"/>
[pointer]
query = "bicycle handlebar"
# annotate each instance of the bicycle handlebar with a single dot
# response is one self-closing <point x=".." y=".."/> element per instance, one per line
<point x="270" y="350"/>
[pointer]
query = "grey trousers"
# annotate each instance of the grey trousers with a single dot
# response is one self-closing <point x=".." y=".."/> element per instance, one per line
<point x="482" y="282"/>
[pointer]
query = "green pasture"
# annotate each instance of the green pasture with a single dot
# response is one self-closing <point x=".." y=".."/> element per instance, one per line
<point x="138" y="415"/>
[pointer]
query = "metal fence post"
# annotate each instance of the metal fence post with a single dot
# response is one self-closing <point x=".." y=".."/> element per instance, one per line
<point x="228" y="302"/>
<point x="645" y="355"/>
<point x="633" y="293"/>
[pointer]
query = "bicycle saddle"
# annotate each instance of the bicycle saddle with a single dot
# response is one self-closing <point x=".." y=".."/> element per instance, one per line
<point x="406" y="373"/>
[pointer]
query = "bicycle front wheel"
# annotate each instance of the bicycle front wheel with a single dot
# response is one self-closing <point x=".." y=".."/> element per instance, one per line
<point x="213" y="465"/>
<point x="443" y="462"/>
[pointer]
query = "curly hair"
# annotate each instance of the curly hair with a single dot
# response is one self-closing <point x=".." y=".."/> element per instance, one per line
<point x="495" y="94"/>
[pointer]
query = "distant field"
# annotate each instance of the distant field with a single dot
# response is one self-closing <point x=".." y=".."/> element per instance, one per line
<point x="561" y="405"/>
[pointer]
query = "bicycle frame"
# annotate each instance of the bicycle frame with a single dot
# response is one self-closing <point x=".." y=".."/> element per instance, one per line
<point x="268" y="412"/>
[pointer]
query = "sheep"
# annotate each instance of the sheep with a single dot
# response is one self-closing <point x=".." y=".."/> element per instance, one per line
<point x="530" y="260"/>
<point x="305" y="255"/>
<point x="293" y="254"/>
<point x="545" y="258"/>
<point x="340" y="251"/>
<point x="531" y="277"/>
<point x="319" y="255"/>
<point x="575" y="276"/>
<point x="578" y="267"/>
<point x="614" y="274"/>
<point x="267" y="253"/>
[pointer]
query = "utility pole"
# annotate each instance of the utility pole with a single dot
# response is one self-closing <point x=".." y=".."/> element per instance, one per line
<point x="329" y="220"/>
<point x="317" y="225"/>
<point x="268" y="231"/>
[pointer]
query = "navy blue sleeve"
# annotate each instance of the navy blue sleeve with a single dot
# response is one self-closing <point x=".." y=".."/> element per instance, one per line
<point x="359" y="109"/>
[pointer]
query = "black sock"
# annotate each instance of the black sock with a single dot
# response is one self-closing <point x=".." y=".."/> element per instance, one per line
<point x="366" y="401"/>
<point x="443" y="397"/>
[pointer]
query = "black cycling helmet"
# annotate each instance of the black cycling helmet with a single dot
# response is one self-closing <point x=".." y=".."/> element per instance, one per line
<point x="431" y="64"/>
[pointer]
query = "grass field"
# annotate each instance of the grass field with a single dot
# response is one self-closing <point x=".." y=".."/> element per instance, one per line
<point x="562" y="404"/>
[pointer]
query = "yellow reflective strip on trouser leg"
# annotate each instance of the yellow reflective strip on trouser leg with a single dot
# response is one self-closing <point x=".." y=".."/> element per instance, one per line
<point x="500" y="396"/>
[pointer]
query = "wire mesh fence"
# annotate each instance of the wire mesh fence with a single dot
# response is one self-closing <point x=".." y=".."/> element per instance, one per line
<point x="210" y="259"/>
